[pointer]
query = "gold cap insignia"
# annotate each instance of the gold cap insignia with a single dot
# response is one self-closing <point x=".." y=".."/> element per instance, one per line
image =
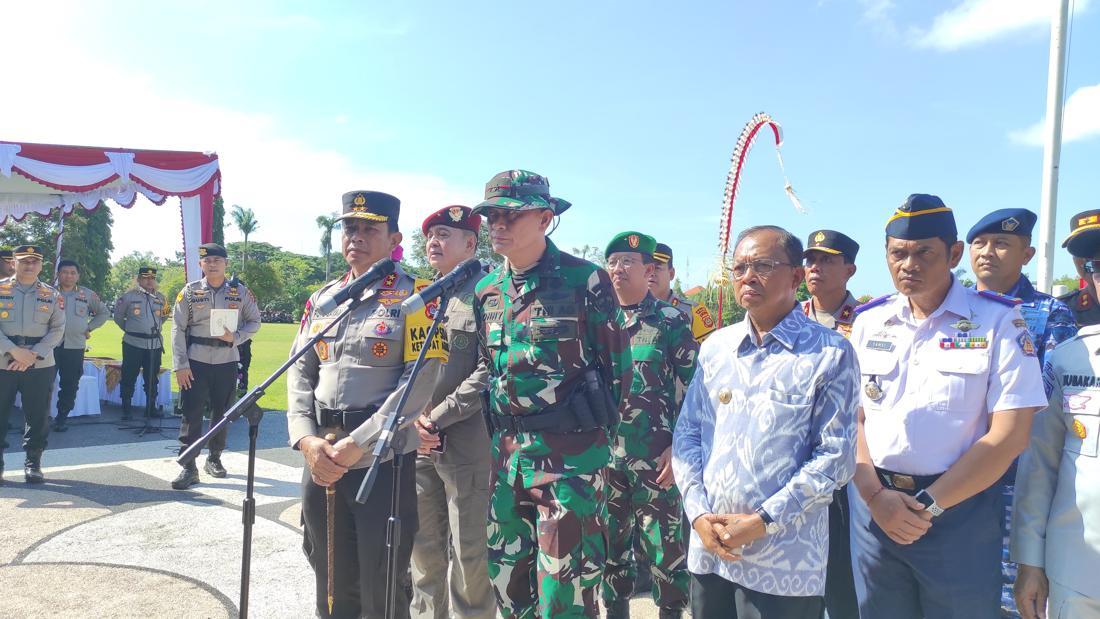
<point x="819" y="237"/>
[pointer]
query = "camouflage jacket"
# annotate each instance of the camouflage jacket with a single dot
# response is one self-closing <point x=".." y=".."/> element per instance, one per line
<point x="536" y="342"/>
<point x="664" y="351"/>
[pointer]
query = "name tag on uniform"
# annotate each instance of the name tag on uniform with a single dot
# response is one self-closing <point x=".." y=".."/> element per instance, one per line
<point x="883" y="345"/>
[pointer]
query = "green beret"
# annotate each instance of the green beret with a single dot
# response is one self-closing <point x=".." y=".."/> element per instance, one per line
<point x="631" y="242"/>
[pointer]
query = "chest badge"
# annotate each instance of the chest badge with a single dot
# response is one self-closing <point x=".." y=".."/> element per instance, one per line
<point x="725" y="395"/>
<point x="380" y="349"/>
<point x="3" y="314"/>
<point x="952" y="343"/>
<point x="1079" y="429"/>
<point x="382" y="329"/>
<point x="873" y="391"/>
<point x="883" y="345"/>
<point x="965" y="325"/>
<point x="322" y="350"/>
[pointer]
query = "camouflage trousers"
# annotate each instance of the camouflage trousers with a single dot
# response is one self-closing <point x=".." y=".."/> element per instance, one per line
<point x="547" y="546"/>
<point x="637" y="506"/>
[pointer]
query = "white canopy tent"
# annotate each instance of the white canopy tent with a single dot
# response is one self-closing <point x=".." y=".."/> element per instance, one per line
<point x="44" y="178"/>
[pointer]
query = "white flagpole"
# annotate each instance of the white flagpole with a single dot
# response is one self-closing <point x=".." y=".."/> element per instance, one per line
<point x="1056" y="86"/>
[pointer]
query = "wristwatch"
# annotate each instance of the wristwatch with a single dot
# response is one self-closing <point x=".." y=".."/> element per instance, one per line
<point x="771" y="527"/>
<point x="929" y="503"/>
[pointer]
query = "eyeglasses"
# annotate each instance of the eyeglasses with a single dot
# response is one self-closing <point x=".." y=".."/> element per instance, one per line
<point x="762" y="267"/>
<point x="625" y="263"/>
<point x="1092" y="267"/>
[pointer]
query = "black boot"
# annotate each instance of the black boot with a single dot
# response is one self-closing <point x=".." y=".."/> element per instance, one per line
<point x="669" y="613"/>
<point x="188" y="477"/>
<point x="61" y="423"/>
<point x="32" y="467"/>
<point x="214" y="466"/>
<point x="618" y="609"/>
<point x="127" y="412"/>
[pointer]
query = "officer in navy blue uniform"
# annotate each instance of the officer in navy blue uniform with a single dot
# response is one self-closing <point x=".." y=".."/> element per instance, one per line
<point x="1000" y="246"/>
<point x="950" y="382"/>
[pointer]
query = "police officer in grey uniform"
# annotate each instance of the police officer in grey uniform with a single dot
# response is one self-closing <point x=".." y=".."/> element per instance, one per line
<point x="7" y="263"/>
<point x="1055" y="535"/>
<point x="660" y="284"/>
<point x="452" y="470"/>
<point x="84" y="313"/>
<point x="346" y="385"/>
<point x="32" y="323"/>
<point x="205" y="363"/>
<point x="139" y="312"/>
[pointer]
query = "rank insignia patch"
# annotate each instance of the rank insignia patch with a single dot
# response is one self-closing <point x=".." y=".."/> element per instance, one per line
<point x="1079" y="429"/>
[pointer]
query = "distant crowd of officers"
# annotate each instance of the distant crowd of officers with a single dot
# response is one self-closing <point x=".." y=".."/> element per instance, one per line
<point x="579" y="421"/>
<point x="44" y="331"/>
<point x="572" y="422"/>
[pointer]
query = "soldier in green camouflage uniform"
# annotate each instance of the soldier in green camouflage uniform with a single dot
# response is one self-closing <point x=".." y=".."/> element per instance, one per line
<point x="641" y="498"/>
<point x="556" y="348"/>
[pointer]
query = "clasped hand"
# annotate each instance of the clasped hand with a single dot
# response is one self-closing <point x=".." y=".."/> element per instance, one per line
<point x="725" y="535"/>
<point x="327" y="462"/>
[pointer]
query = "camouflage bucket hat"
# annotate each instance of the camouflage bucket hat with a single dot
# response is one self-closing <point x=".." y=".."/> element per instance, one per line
<point x="520" y="190"/>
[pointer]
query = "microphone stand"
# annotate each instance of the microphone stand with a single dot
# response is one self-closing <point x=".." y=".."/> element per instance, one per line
<point x="246" y="406"/>
<point x="392" y="440"/>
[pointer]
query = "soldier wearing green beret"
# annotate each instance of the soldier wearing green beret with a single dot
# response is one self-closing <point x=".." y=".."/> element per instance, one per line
<point x="139" y="312"/>
<point x="32" y="324"/>
<point x="558" y="356"/>
<point x="642" y="500"/>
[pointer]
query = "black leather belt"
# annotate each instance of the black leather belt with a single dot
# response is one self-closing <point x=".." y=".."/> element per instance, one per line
<point x="144" y="336"/>
<point x="345" y="420"/>
<point x="209" y="341"/>
<point x="909" y="484"/>
<point x="24" y="340"/>
<point x="561" y="420"/>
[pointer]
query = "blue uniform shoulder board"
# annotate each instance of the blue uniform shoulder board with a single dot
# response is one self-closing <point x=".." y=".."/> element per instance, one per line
<point x="873" y="303"/>
<point x="1000" y="298"/>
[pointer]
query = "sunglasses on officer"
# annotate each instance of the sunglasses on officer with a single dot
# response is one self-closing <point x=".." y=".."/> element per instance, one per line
<point x="1092" y="267"/>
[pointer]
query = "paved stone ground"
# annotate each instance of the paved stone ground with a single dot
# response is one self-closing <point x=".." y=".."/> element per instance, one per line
<point x="107" y="537"/>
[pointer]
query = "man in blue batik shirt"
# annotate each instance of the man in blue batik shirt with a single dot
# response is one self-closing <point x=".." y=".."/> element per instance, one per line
<point x="1000" y="246"/>
<point x="765" y="436"/>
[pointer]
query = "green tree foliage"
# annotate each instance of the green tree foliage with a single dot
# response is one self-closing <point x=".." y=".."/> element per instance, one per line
<point x="1069" y="281"/>
<point x="87" y="241"/>
<point x="124" y="274"/>
<point x="36" y="230"/>
<point x="218" y="225"/>
<point x="246" y="222"/>
<point x="327" y="223"/>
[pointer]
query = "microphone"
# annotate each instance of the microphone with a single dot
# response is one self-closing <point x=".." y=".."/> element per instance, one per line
<point x="355" y="289"/>
<point x="444" y="285"/>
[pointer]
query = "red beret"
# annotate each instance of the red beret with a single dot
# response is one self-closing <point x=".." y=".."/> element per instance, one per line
<point x="454" y="216"/>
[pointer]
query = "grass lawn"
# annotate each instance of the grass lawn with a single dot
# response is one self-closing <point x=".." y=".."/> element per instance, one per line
<point x="270" y="348"/>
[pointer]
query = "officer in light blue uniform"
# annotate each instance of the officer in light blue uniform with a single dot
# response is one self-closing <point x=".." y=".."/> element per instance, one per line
<point x="950" y="381"/>
<point x="1000" y="245"/>
<point x="1056" y="519"/>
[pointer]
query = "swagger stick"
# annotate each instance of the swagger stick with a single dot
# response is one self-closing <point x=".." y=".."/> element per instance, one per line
<point x="330" y="528"/>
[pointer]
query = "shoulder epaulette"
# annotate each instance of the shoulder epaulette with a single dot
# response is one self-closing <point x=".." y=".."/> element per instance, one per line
<point x="1003" y="299"/>
<point x="873" y="303"/>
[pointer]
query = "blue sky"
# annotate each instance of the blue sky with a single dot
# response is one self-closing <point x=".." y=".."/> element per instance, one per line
<point x="630" y="108"/>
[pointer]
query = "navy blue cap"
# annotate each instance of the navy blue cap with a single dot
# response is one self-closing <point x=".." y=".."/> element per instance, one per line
<point x="1018" y="221"/>
<point x="921" y="216"/>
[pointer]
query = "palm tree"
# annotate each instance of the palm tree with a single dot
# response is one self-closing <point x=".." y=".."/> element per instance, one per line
<point x="327" y="223"/>
<point x="245" y="220"/>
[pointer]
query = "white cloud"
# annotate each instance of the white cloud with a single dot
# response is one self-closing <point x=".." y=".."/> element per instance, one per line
<point x="60" y="94"/>
<point x="1080" y="119"/>
<point x="977" y="21"/>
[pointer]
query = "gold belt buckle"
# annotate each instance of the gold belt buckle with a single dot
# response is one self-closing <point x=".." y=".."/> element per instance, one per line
<point x="903" y="482"/>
